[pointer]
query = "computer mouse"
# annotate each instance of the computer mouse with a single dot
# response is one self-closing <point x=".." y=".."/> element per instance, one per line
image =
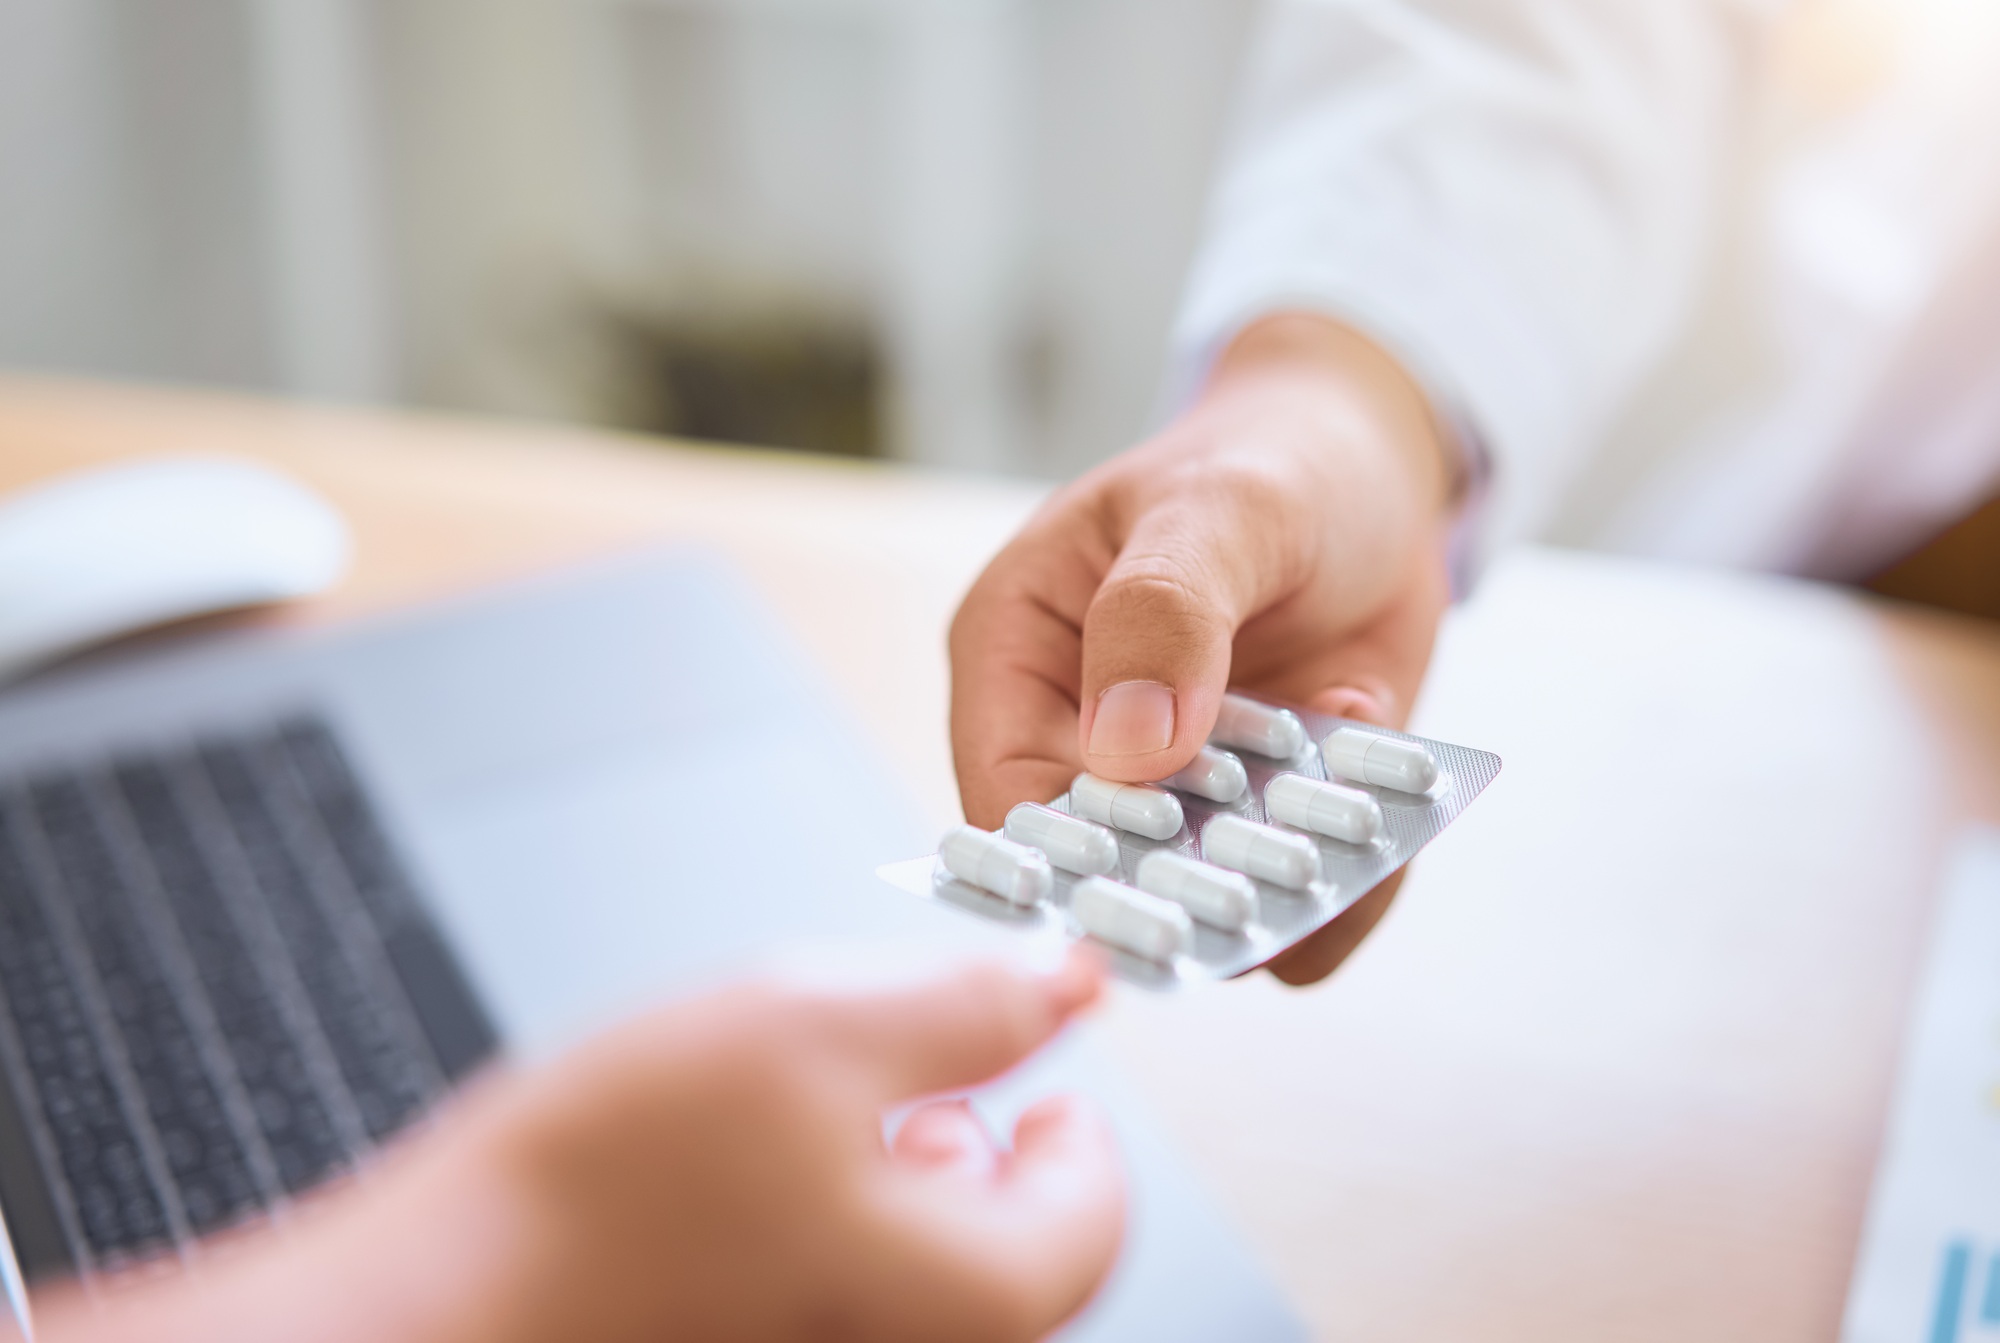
<point x="112" y="550"/>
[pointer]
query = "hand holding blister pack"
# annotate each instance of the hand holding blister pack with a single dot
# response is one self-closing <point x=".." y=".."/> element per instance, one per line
<point x="1285" y="819"/>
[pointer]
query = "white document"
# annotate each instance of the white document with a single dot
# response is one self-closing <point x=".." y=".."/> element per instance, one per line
<point x="1929" y="1269"/>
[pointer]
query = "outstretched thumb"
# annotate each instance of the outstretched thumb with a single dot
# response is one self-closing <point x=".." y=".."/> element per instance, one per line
<point x="963" y="1027"/>
<point x="1156" y="645"/>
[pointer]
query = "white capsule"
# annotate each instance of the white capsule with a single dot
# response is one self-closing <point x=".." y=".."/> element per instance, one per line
<point x="1214" y="774"/>
<point x="1325" y="808"/>
<point x="1250" y="726"/>
<point x="1142" y="924"/>
<point x="1370" y="757"/>
<point x="1140" y="808"/>
<point x="1219" y="898"/>
<point x="1071" y="843"/>
<point x="1014" y="872"/>
<point x="1265" y="852"/>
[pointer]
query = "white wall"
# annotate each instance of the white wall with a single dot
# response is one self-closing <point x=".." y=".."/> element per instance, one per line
<point x="440" y="200"/>
<point x="131" y="232"/>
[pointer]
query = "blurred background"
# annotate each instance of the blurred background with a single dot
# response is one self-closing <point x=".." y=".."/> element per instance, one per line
<point x="947" y="231"/>
<point x="952" y="231"/>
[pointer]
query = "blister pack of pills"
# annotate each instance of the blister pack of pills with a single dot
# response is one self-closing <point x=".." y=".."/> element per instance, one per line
<point x="1285" y="819"/>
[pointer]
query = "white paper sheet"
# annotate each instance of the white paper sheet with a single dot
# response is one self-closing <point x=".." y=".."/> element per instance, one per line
<point x="1929" y="1268"/>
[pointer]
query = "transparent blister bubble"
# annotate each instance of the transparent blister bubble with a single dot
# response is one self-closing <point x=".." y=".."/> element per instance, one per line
<point x="1282" y="917"/>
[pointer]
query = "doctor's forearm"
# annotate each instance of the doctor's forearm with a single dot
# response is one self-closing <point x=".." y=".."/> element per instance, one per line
<point x="1520" y="199"/>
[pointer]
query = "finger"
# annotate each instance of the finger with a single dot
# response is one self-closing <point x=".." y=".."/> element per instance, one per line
<point x="1364" y="699"/>
<point x="947" y="1138"/>
<point x="1060" y="1209"/>
<point x="1376" y="678"/>
<point x="1158" y="634"/>
<point x="972" y="1024"/>
<point x="1026" y="1250"/>
<point x="1016" y="646"/>
<point x="1367" y="697"/>
<point x="1373" y="671"/>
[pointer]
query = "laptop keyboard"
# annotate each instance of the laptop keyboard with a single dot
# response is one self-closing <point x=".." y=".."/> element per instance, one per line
<point x="217" y="988"/>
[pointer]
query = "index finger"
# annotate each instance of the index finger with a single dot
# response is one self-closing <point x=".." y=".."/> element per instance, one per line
<point x="960" y="1029"/>
<point x="1022" y="1248"/>
<point x="1016" y="664"/>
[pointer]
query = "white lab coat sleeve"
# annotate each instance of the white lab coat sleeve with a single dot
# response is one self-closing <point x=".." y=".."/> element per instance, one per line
<point x="1515" y="196"/>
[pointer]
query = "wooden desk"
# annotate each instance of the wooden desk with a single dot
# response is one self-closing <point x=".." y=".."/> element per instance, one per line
<point x="1614" y="1068"/>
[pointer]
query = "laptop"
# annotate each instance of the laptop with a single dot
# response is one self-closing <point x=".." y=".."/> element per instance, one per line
<point x="266" y="896"/>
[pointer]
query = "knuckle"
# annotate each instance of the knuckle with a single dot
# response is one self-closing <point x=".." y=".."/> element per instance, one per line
<point x="1160" y="593"/>
<point x="1154" y="581"/>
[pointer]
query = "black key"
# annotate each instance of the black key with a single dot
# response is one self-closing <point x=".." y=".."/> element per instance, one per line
<point x="290" y="1112"/>
<point x="273" y="996"/>
<point x="181" y="1098"/>
<point x="117" y="1208"/>
<point x="377" y="1058"/>
<point x="350" y="823"/>
<point x="461" y="1036"/>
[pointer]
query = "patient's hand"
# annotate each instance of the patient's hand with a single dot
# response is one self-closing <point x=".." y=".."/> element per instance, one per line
<point x="1285" y="536"/>
<point x="714" y="1171"/>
